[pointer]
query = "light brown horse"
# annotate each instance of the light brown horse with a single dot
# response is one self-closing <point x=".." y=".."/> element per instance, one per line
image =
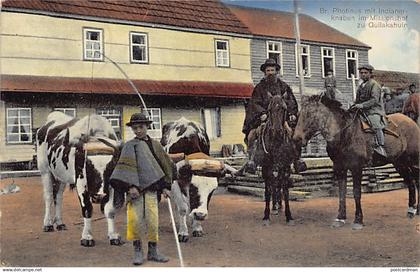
<point x="350" y="148"/>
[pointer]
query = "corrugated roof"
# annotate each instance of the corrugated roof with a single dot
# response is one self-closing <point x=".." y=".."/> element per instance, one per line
<point x="39" y="84"/>
<point x="396" y="80"/>
<point x="196" y="14"/>
<point x="280" y="24"/>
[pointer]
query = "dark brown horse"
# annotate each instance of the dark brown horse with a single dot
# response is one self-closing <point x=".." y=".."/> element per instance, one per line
<point x="278" y="155"/>
<point x="350" y="148"/>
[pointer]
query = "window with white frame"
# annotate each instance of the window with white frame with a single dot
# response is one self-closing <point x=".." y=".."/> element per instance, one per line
<point x="212" y="122"/>
<point x="68" y="111"/>
<point x="139" y="48"/>
<point x="274" y="52"/>
<point x="222" y="53"/>
<point x="155" y="130"/>
<point x="113" y="115"/>
<point x="351" y="61"/>
<point x="328" y="61"/>
<point x="306" y="60"/>
<point x="19" y="125"/>
<point x="93" y="44"/>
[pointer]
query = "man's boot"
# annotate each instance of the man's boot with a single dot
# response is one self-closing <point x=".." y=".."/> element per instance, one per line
<point x="250" y="165"/>
<point x="380" y="142"/>
<point x="138" y="253"/>
<point x="154" y="255"/>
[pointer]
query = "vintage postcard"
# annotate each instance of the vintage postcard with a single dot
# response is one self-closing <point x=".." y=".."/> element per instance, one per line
<point x="209" y="133"/>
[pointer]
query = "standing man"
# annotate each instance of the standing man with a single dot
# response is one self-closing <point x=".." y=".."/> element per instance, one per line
<point x="144" y="170"/>
<point x="369" y="101"/>
<point x="330" y="85"/>
<point x="412" y="104"/>
<point x="256" y="111"/>
<point x="388" y="101"/>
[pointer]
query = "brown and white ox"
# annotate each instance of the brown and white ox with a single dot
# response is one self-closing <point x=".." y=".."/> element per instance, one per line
<point x="192" y="194"/>
<point x="62" y="145"/>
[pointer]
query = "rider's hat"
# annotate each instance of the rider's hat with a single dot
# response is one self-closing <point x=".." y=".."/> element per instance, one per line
<point x="269" y="63"/>
<point x="366" y="67"/>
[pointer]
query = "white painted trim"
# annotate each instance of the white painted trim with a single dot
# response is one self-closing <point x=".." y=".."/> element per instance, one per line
<point x="156" y="133"/>
<point x="112" y="114"/>
<point x="322" y="60"/>
<point x="145" y="45"/>
<point x="19" y="133"/>
<point x="64" y="109"/>
<point x="298" y="55"/>
<point x="280" y="52"/>
<point x="211" y="120"/>
<point x="223" y="51"/>
<point x="101" y="43"/>
<point x="357" y="63"/>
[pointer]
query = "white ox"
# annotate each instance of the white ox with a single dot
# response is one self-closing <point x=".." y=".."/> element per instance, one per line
<point x="191" y="193"/>
<point x="63" y="159"/>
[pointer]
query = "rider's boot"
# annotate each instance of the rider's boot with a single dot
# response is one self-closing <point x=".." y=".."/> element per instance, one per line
<point x="380" y="143"/>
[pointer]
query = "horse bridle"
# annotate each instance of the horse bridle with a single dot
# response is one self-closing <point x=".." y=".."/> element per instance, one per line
<point x="345" y="127"/>
<point x="264" y="128"/>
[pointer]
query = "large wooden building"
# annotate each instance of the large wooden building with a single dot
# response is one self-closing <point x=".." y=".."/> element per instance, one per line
<point x="197" y="59"/>
<point x="188" y="59"/>
<point x="323" y="48"/>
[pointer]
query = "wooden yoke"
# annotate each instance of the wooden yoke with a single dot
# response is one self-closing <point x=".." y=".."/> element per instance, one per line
<point x="98" y="148"/>
<point x="176" y="157"/>
<point x="202" y="163"/>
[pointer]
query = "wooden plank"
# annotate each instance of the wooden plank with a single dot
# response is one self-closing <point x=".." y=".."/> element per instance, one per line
<point x="259" y="192"/>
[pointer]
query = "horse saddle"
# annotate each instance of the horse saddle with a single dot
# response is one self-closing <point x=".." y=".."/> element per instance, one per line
<point x="391" y="128"/>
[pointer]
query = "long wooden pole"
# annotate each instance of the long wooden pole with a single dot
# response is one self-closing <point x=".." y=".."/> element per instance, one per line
<point x="178" y="246"/>
<point x="298" y="50"/>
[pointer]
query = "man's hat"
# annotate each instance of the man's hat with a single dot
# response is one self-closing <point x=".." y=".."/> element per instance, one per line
<point x="366" y="67"/>
<point x="269" y="62"/>
<point x="138" y="118"/>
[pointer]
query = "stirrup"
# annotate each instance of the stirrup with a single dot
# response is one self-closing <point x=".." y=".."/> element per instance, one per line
<point x="251" y="167"/>
<point x="299" y="166"/>
<point x="380" y="150"/>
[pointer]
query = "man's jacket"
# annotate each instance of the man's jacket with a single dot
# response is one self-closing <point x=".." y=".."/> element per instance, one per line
<point x="260" y="100"/>
<point x="369" y="95"/>
<point x="143" y="163"/>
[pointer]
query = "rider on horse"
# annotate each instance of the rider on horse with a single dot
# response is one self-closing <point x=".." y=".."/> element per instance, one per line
<point x="256" y="111"/>
<point x="369" y="101"/>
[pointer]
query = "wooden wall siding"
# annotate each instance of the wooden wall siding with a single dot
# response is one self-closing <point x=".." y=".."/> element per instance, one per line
<point x="316" y="81"/>
<point x="317" y="146"/>
<point x="258" y="56"/>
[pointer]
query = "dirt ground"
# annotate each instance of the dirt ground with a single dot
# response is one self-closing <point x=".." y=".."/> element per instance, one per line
<point x="233" y="234"/>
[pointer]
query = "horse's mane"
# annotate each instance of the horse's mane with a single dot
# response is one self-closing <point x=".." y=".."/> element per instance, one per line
<point x="332" y="104"/>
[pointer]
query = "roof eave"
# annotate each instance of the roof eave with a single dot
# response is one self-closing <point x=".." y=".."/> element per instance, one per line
<point x="125" y="22"/>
